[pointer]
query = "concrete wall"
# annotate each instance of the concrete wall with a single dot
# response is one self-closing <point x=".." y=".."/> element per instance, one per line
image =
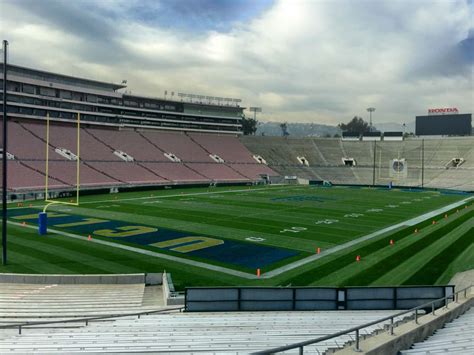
<point x="226" y="299"/>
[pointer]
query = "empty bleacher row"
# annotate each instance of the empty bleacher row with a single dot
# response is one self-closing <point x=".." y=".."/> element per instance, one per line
<point x="184" y="333"/>
<point x="425" y="161"/>
<point x="21" y="303"/>
<point x="124" y="157"/>
<point x="455" y="338"/>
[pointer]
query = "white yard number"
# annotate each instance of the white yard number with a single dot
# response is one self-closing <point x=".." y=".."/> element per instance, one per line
<point x="255" y="239"/>
<point x="353" y="215"/>
<point x="327" y="221"/>
<point x="294" y="230"/>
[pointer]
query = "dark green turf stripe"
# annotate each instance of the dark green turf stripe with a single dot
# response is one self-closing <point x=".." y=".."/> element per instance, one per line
<point x="369" y="275"/>
<point x="58" y="259"/>
<point x="435" y="267"/>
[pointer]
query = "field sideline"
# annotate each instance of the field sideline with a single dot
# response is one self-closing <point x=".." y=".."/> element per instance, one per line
<point x="245" y="228"/>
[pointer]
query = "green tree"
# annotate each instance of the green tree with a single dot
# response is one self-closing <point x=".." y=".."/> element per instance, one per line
<point x="357" y="125"/>
<point x="249" y="125"/>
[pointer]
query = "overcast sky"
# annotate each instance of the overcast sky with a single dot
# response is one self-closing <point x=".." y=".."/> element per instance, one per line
<point x="320" y="61"/>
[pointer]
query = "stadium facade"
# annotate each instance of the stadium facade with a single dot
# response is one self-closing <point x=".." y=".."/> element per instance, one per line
<point x="35" y="93"/>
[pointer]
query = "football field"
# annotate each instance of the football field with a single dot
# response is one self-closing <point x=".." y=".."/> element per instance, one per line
<point x="298" y="235"/>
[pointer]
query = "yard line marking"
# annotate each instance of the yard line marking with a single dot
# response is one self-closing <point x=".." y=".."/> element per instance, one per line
<point x="275" y="187"/>
<point x="182" y="195"/>
<point x="410" y="222"/>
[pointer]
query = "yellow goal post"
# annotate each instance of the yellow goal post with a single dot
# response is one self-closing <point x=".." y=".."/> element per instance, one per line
<point x="78" y="158"/>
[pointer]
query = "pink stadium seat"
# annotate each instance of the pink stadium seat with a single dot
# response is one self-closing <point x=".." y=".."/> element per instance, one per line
<point x="227" y="147"/>
<point x="131" y="143"/>
<point x="217" y="172"/>
<point x="24" y="145"/>
<point x="100" y="167"/>
<point x="66" y="137"/>
<point x="21" y="177"/>
<point x="66" y="171"/>
<point x="128" y="172"/>
<point x="253" y="171"/>
<point x="176" y="172"/>
<point x="180" y="145"/>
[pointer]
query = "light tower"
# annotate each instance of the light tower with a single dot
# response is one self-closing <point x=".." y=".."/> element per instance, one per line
<point x="255" y="110"/>
<point x="370" y="109"/>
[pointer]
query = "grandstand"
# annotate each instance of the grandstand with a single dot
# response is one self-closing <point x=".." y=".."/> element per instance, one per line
<point x="428" y="161"/>
<point x="101" y="167"/>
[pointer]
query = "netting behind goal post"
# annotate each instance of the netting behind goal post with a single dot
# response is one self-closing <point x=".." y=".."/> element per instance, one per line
<point x="399" y="163"/>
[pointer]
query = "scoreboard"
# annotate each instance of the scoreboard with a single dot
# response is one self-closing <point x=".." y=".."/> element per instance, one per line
<point x="445" y="124"/>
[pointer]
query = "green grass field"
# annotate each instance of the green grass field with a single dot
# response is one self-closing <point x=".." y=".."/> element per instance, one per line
<point x="220" y="236"/>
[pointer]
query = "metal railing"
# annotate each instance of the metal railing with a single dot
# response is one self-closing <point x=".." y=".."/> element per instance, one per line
<point x="356" y="330"/>
<point x="86" y="320"/>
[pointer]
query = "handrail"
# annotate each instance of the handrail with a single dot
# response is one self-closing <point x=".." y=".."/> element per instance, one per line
<point x="88" y="319"/>
<point x="357" y="329"/>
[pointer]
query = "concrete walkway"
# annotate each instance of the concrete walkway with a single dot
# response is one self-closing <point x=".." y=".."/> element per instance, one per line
<point x="463" y="279"/>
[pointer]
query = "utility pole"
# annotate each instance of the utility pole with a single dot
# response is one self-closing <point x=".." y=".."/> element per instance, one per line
<point x="4" y="157"/>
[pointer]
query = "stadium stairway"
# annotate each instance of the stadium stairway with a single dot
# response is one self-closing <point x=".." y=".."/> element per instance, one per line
<point x="452" y="326"/>
<point x="185" y="333"/>
<point x="456" y="337"/>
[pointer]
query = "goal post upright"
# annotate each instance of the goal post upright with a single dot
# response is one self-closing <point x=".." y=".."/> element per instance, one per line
<point x="42" y="216"/>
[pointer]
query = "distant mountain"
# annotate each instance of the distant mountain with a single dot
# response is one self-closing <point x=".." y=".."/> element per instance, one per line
<point x="297" y="129"/>
<point x="395" y="127"/>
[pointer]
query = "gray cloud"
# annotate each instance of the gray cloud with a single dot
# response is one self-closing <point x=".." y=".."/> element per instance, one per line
<point x="321" y="61"/>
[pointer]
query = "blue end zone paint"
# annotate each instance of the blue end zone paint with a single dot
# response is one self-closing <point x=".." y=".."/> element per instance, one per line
<point x="452" y="192"/>
<point x="414" y="190"/>
<point x="231" y="252"/>
<point x="249" y="255"/>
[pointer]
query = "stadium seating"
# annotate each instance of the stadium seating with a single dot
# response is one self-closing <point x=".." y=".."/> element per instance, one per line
<point x="228" y="148"/>
<point x="221" y="333"/>
<point x="102" y="165"/>
<point x="217" y="172"/>
<point x="252" y="171"/>
<point x="179" y="144"/>
<point x="65" y="172"/>
<point x="176" y="172"/>
<point x="455" y="338"/>
<point x="25" y="145"/>
<point x="128" y="172"/>
<point x="325" y="157"/>
<point x="22" y="177"/>
<point x="130" y="142"/>
<point x="42" y="302"/>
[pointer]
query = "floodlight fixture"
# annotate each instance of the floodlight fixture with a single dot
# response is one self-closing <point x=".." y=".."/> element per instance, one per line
<point x="255" y="110"/>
